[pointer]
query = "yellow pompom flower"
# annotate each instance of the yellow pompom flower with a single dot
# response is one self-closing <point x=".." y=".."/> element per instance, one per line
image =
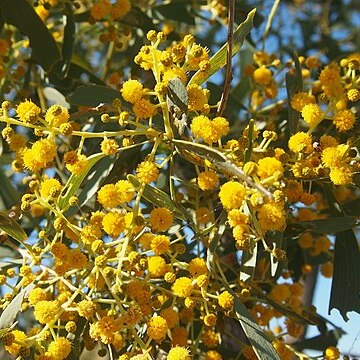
<point x="16" y="142"/>
<point x="156" y="266"/>
<point x="49" y="187"/>
<point x="171" y="316"/>
<point x="330" y="79"/>
<point x="37" y="295"/>
<point x="14" y="348"/>
<point x="301" y="142"/>
<point x="212" y="355"/>
<point x="183" y="287"/>
<point x="262" y="76"/>
<point x="45" y="311"/>
<point x="157" y="328"/>
<point x="160" y="219"/>
<point x="226" y="300"/>
<point x="328" y="141"/>
<point x="312" y="114"/>
<point x="197" y="98"/>
<point x="126" y="191"/>
<point x="178" y="353"/>
<point x="208" y="180"/>
<point x="113" y="224"/>
<point x="132" y="91"/>
<point x="300" y="99"/>
<point x="232" y="195"/>
<point x="333" y="157"/>
<point x="100" y="9"/>
<point x="237" y="217"/>
<point x="268" y="166"/>
<point x="79" y="166"/>
<point x="332" y="353"/>
<point x="272" y="217"/>
<point x="220" y="125"/>
<point x="108" y="196"/>
<point x="60" y="348"/>
<point x="344" y="120"/>
<point x="197" y="267"/>
<point x="120" y="9"/>
<point x="56" y="115"/>
<point x="144" y="109"/>
<point x="147" y="172"/>
<point x="160" y="244"/>
<point x="28" y="112"/>
<point x="39" y="155"/>
<point x="341" y="175"/>
<point x="109" y="146"/>
<point x="199" y="124"/>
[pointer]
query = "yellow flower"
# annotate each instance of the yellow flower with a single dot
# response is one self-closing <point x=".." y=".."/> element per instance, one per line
<point x="86" y="308"/>
<point x="341" y="175"/>
<point x="178" y="353"/>
<point x="126" y="191"/>
<point x="60" y="348"/>
<point x="120" y="9"/>
<point x="39" y="155"/>
<point x="160" y="219"/>
<point x="232" y="195"/>
<point x="147" y="172"/>
<point x="208" y="180"/>
<point x="143" y="108"/>
<point x="112" y="195"/>
<point x="109" y="146"/>
<point x="28" y="112"/>
<point x="80" y="166"/>
<point x="299" y="100"/>
<point x="173" y="72"/>
<point x="37" y="295"/>
<point x="330" y="79"/>
<point x="262" y="76"/>
<point x="332" y="353"/>
<point x="333" y="157"/>
<point x="182" y="287"/>
<point x="100" y="9"/>
<point x="113" y="224"/>
<point x="272" y="217"/>
<point x="197" y="98"/>
<point x="49" y="187"/>
<point x="160" y="244"/>
<point x="157" y="266"/>
<point x="312" y="114"/>
<point x="344" y="120"/>
<point x="16" y="142"/>
<point x="45" y="311"/>
<point x="132" y="91"/>
<point x="157" y="328"/>
<point x="56" y="115"/>
<point x="268" y="166"/>
<point x="301" y="142"/>
<point x="14" y="348"/>
<point x="171" y="316"/>
<point x="237" y="217"/>
<point x="226" y="300"/>
<point x="197" y="267"/>
<point x="328" y="141"/>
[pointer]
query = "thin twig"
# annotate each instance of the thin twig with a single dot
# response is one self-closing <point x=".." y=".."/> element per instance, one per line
<point x="228" y="76"/>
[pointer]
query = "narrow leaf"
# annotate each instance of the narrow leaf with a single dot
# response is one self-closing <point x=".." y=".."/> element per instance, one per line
<point x="159" y="198"/>
<point x="257" y="337"/>
<point x="23" y="16"/>
<point x="12" y="228"/>
<point x="9" y="314"/>
<point x="75" y="181"/>
<point x="7" y="191"/>
<point x="92" y="95"/>
<point x="219" y="59"/>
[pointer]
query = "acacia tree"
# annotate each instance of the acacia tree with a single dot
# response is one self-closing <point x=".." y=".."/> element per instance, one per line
<point x="173" y="174"/>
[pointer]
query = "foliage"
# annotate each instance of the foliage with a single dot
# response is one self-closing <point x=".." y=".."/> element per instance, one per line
<point x="138" y="218"/>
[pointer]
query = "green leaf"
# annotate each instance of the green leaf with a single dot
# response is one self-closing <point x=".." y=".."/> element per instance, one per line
<point x="293" y="79"/>
<point x="345" y="287"/>
<point x="159" y="198"/>
<point x="92" y="95"/>
<point x="259" y="341"/>
<point x="178" y="11"/>
<point x="75" y="181"/>
<point x="69" y="40"/>
<point x="219" y="59"/>
<point x="8" y="193"/>
<point x="9" y="314"/>
<point x="12" y="228"/>
<point x="329" y="226"/>
<point x="198" y="153"/>
<point x="23" y="16"/>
